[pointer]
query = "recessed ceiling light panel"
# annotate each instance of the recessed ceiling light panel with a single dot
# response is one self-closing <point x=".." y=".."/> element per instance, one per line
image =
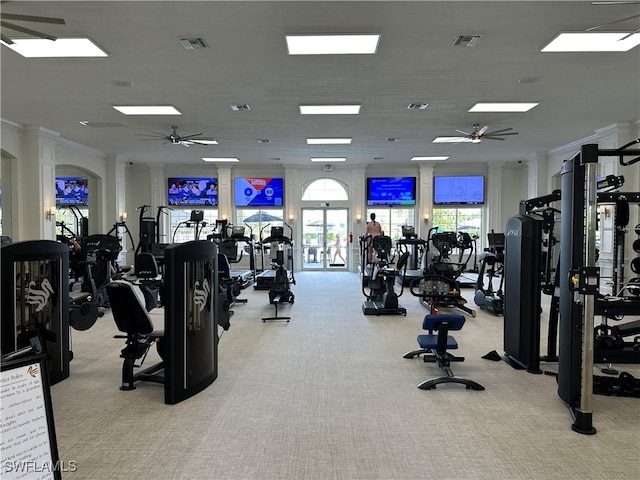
<point x="503" y="107"/>
<point x="147" y="109"/>
<point x="221" y="159"/>
<point x="328" y="159"/>
<point x="329" y="109"/>
<point x="328" y="141"/>
<point x="593" y="42"/>
<point x="332" y="44"/>
<point x="427" y="159"/>
<point x="59" y="48"/>
<point x="451" y="140"/>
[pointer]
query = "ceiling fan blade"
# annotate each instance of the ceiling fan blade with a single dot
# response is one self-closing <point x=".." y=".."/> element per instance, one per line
<point x="33" y="18"/>
<point x="483" y="129"/>
<point x="159" y="137"/>
<point x="493" y="138"/>
<point x="187" y="137"/>
<point x="498" y="131"/>
<point x="630" y="34"/>
<point x="611" y="23"/>
<point x="28" y="31"/>
<point x="6" y="39"/>
<point x="501" y="134"/>
<point x="464" y="133"/>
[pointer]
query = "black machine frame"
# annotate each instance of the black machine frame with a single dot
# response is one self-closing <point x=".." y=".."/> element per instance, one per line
<point x="579" y="279"/>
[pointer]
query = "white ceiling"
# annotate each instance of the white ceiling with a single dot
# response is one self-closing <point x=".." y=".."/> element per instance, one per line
<point x="247" y="63"/>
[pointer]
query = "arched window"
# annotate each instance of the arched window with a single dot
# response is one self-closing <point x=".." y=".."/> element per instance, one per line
<point x="324" y="190"/>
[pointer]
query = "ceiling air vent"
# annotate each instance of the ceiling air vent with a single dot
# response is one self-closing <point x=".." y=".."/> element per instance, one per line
<point x="86" y="123"/>
<point x="236" y="107"/>
<point x="417" y="106"/>
<point x="193" y="43"/>
<point x="393" y="139"/>
<point x="466" y="40"/>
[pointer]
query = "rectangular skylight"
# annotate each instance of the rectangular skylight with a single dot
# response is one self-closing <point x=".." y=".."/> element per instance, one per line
<point x="220" y="159"/>
<point x="329" y="109"/>
<point x="62" y="47"/>
<point x="328" y="141"/>
<point x="451" y="140"/>
<point x="328" y="159"/>
<point x="433" y="158"/>
<point x="147" y="109"/>
<point x="332" y="44"/>
<point x="592" y="42"/>
<point x="503" y="107"/>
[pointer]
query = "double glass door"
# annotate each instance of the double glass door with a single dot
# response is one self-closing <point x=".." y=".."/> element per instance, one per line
<point x="325" y="239"/>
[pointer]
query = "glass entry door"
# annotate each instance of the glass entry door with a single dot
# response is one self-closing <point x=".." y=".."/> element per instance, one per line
<point x="325" y="239"/>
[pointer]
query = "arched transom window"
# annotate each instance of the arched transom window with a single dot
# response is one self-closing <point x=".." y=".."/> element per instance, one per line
<point x="324" y="190"/>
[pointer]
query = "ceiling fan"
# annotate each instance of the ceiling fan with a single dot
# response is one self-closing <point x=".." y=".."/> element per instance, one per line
<point x="478" y="134"/>
<point x="26" y="18"/>
<point x="176" y="139"/>
<point x="608" y="3"/>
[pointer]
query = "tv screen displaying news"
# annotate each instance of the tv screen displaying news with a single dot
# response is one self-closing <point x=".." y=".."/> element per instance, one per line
<point x="391" y="191"/>
<point x="193" y="191"/>
<point x="72" y="191"/>
<point x="458" y="190"/>
<point x="259" y="192"/>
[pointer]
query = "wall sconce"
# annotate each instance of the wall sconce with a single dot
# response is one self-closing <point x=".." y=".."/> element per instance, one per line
<point x="426" y="218"/>
<point x="291" y="217"/>
<point x="224" y="217"/>
<point x="358" y="218"/>
<point x="51" y="212"/>
<point x="123" y="217"/>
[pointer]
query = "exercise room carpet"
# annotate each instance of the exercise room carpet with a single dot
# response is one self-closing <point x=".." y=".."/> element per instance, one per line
<point x="329" y="396"/>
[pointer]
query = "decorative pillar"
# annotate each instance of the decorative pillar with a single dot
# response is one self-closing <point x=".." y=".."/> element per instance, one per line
<point x="37" y="174"/>
<point x="225" y="203"/>
<point x="494" y="199"/>
<point x="425" y="211"/>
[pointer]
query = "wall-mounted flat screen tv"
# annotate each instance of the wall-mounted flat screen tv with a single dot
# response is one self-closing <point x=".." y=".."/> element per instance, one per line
<point x="193" y="191"/>
<point x="458" y="190"/>
<point x="259" y="192"/>
<point x="391" y="191"/>
<point x="72" y="191"/>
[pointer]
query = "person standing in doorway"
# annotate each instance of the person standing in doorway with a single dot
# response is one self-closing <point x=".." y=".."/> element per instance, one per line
<point x="374" y="229"/>
<point x="338" y="250"/>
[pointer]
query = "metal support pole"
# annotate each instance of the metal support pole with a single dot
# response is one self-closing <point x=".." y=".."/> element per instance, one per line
<point x="584" y="412"/>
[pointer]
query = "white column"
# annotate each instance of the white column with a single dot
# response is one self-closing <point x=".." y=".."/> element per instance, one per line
<point x="225" y="202"/>
<point x="115" y="200"/>
<point x="37" y="175"/>
<point x="494" y="200"/>
<point x="158" y="180"/>
<point x="425" y="212"/>
<point x="538" y="176"/>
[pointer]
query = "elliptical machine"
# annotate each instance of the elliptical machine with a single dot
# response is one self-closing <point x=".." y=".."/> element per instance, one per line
<point x="280" y="291"/>
<point x="379" y="277"/>
<point x="491" y="262"/>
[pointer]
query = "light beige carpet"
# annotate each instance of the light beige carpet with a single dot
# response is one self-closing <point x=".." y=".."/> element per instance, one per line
<point x="329" y="396"/>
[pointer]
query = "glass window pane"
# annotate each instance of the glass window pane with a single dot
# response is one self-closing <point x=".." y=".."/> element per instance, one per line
<point x="184" y="231"/>
<point x="325" y="189"/>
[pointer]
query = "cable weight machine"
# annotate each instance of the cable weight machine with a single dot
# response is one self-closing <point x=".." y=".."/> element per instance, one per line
<point x="579" y="279"/>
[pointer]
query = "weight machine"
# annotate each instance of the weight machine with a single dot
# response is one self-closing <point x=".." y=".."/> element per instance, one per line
<point x="579" y="279"/>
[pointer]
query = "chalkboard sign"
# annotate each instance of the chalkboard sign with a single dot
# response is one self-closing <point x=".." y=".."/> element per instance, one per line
<point x="27" y="432"/>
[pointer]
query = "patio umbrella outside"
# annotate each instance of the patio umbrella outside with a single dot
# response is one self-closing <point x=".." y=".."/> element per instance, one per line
<point x="262" y="217"/>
